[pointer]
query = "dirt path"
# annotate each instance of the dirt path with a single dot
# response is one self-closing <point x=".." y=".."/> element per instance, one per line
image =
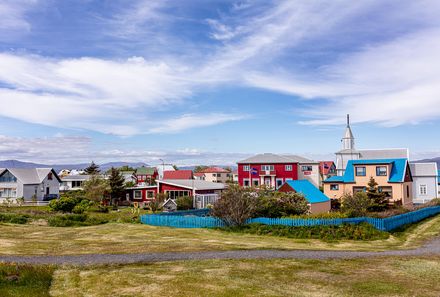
<point x="430" y="248"/>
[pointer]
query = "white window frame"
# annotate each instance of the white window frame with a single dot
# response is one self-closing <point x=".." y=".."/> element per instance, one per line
<point x="246" y="167"/>
<point x="267" y="168"/>
<point x="288" y="168"/>
<point x="257" y="184"/>
<point x="244" y="182"/>
<point x="306" y="168"/>
<point x="423" y="190"/>
<point x="152" y="194"/>
<point x="134" y="194"/>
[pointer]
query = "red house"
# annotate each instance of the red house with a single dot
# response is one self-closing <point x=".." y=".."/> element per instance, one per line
<point x="267" y="169"/>
<point x="146" y="175"/>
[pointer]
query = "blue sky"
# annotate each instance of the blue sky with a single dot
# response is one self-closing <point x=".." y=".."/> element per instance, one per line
<point x="213" y="81"/>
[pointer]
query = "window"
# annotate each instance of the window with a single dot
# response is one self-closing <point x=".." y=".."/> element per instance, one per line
<point x="246" y="167"/>
<point x="150" y="194"/>
<point x="49" y="176"/>
<point x="359" y="189"/>
<point x="76" y="184"/>
<point x="8" y="193"/>
<point x="137" y="194"/>
<point x="381" y="171"/>
<point x="361" y="171"/>
<point x="8" y="178"/>
<point x="267" y="167"/>
<point x="279" y="182"/>
<point x="423" y="190"/>
<point x="334" y="187"/>
<point x="387" y="190"/>
<point x="246" y="182"/>
<point x="288" y="167"/>
<point x="306" y="168"/>
<point x="255" y="182"/>
<point x="176" y="194"/>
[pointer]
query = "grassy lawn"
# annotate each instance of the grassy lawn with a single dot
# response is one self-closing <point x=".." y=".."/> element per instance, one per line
<point x="366" y="277"/>
<point x="25" y="281"/>
<point x="135" y="238"/>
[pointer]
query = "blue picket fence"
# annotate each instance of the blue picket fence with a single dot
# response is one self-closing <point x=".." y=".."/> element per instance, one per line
<point x="191" y="219"/>
<point x="193" y="212"/>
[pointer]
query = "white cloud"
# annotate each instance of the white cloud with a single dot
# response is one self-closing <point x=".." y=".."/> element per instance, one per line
<point x="13" y="15"/>
<point x="70" y="149"/>
<point x="189" y="121"/>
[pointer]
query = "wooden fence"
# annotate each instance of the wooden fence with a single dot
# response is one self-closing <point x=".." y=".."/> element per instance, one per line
<point x="199" y="219"/>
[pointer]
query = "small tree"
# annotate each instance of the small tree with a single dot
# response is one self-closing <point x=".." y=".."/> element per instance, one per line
<point x="277" y="204"/>
<point x="184" y="203"/>
<point x="93" y="169"/>
<point x="117" y="184"/>
<point x="356" y="205"/>
<point x="379" y="201"/>
<point x="236" y="205"/>
<point x="96" y="188"/>
<point x="200" y="168"/>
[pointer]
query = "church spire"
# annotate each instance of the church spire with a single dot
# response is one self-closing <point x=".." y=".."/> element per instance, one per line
<point x="348" y="139"/>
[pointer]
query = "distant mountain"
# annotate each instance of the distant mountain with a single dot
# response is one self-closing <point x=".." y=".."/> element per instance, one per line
<point x="437" y="160"/>
<point x="58" y="167"/>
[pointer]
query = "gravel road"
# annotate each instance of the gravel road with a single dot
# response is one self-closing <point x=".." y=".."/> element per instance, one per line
<point x="431" y="248"/>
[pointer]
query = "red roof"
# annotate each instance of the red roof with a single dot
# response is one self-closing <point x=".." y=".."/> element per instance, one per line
<point x="214" y="170"/>
<point x="178" y="174"/>
<point x="325" y="166"/>
<point x="199" y="174"/>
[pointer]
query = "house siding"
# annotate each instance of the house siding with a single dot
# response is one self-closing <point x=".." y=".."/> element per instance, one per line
<point x="279" y="173"/>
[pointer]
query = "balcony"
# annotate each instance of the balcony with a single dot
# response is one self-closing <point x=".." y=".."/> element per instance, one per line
<point x="268" y="173"/>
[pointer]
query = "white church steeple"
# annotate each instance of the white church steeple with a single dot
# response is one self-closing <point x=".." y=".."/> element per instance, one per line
<point x="348" y="139"/>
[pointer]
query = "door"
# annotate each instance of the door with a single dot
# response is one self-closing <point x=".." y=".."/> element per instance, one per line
<point x="267" y="181"/>
<point x="47" y="191"/>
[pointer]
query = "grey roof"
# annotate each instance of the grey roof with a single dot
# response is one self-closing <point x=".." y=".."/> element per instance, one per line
<point x="394" y="153"/>
<point x="274" y="159"/>
<point x="423" y="169"/>
<point x="31" y="175"/>
<point x="196" y="183"/>
<point x="76" y="177"/>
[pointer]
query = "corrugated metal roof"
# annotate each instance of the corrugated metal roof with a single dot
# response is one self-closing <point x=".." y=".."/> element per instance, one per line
<point x="214" y="170"/>
<point x="146" y="170"/>
<point x="392" y="153"/>
<point x="76" y="177"/>
<point x="275" y="159"/>
<point x="31" y="175"/>
<point x="310" y="192"/>
<point x="424" y="169"/>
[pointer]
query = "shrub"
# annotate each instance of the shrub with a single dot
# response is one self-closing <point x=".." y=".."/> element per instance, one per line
<point x="356" y="205"/>
<point x="64" y="204"/>
<point x="184" y="203"/>
<point x="330" y="233"/>
<point x="13" y="218"/>
<point x="75" y="220"/>
<point x="81" y="207"/>
<point x="236" y="205"/>
<point x="276" y="205"/>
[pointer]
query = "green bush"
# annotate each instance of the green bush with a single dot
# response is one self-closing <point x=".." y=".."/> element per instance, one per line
<point x="184" y="203"/>
<point x="75" y="220"/>
<point x="277" y="205"/>
<point x="13" y="218"/>
<point x="329" y="233"/>
<point x="81" y="207"/>
<point x="356" y="205"/>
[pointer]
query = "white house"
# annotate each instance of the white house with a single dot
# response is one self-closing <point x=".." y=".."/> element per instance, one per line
<point x="73" y="182"/>
<point x="425" y="181"/>
<point x="41" y="184"/>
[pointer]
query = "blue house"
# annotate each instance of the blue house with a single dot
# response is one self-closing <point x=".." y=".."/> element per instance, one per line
<point x="318" y="202"/>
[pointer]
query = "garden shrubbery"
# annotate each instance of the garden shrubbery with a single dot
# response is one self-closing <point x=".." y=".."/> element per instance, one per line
<point x="184" y="203"/>
<point x="74" y="220"/>
<point x="340" y="232"/>
<point x="75" y="204"/>
<point x="13" y="218"/>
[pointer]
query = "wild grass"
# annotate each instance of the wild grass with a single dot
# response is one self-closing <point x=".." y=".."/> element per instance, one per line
<point x="242" y="278"/>
<point x="25" y="280"/>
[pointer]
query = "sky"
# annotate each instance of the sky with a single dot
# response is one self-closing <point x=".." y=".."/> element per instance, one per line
<point x="211" y="82"/>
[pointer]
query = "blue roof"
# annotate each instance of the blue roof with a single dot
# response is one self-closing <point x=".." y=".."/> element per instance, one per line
<point x="310" y="192"/>
<point x="397" y="174"/>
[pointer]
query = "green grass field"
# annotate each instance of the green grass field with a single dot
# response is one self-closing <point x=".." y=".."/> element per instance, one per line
<point x="378" y="276"/>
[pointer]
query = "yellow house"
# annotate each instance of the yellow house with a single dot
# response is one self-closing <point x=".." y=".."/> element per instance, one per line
<point x="393" y="177"/>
